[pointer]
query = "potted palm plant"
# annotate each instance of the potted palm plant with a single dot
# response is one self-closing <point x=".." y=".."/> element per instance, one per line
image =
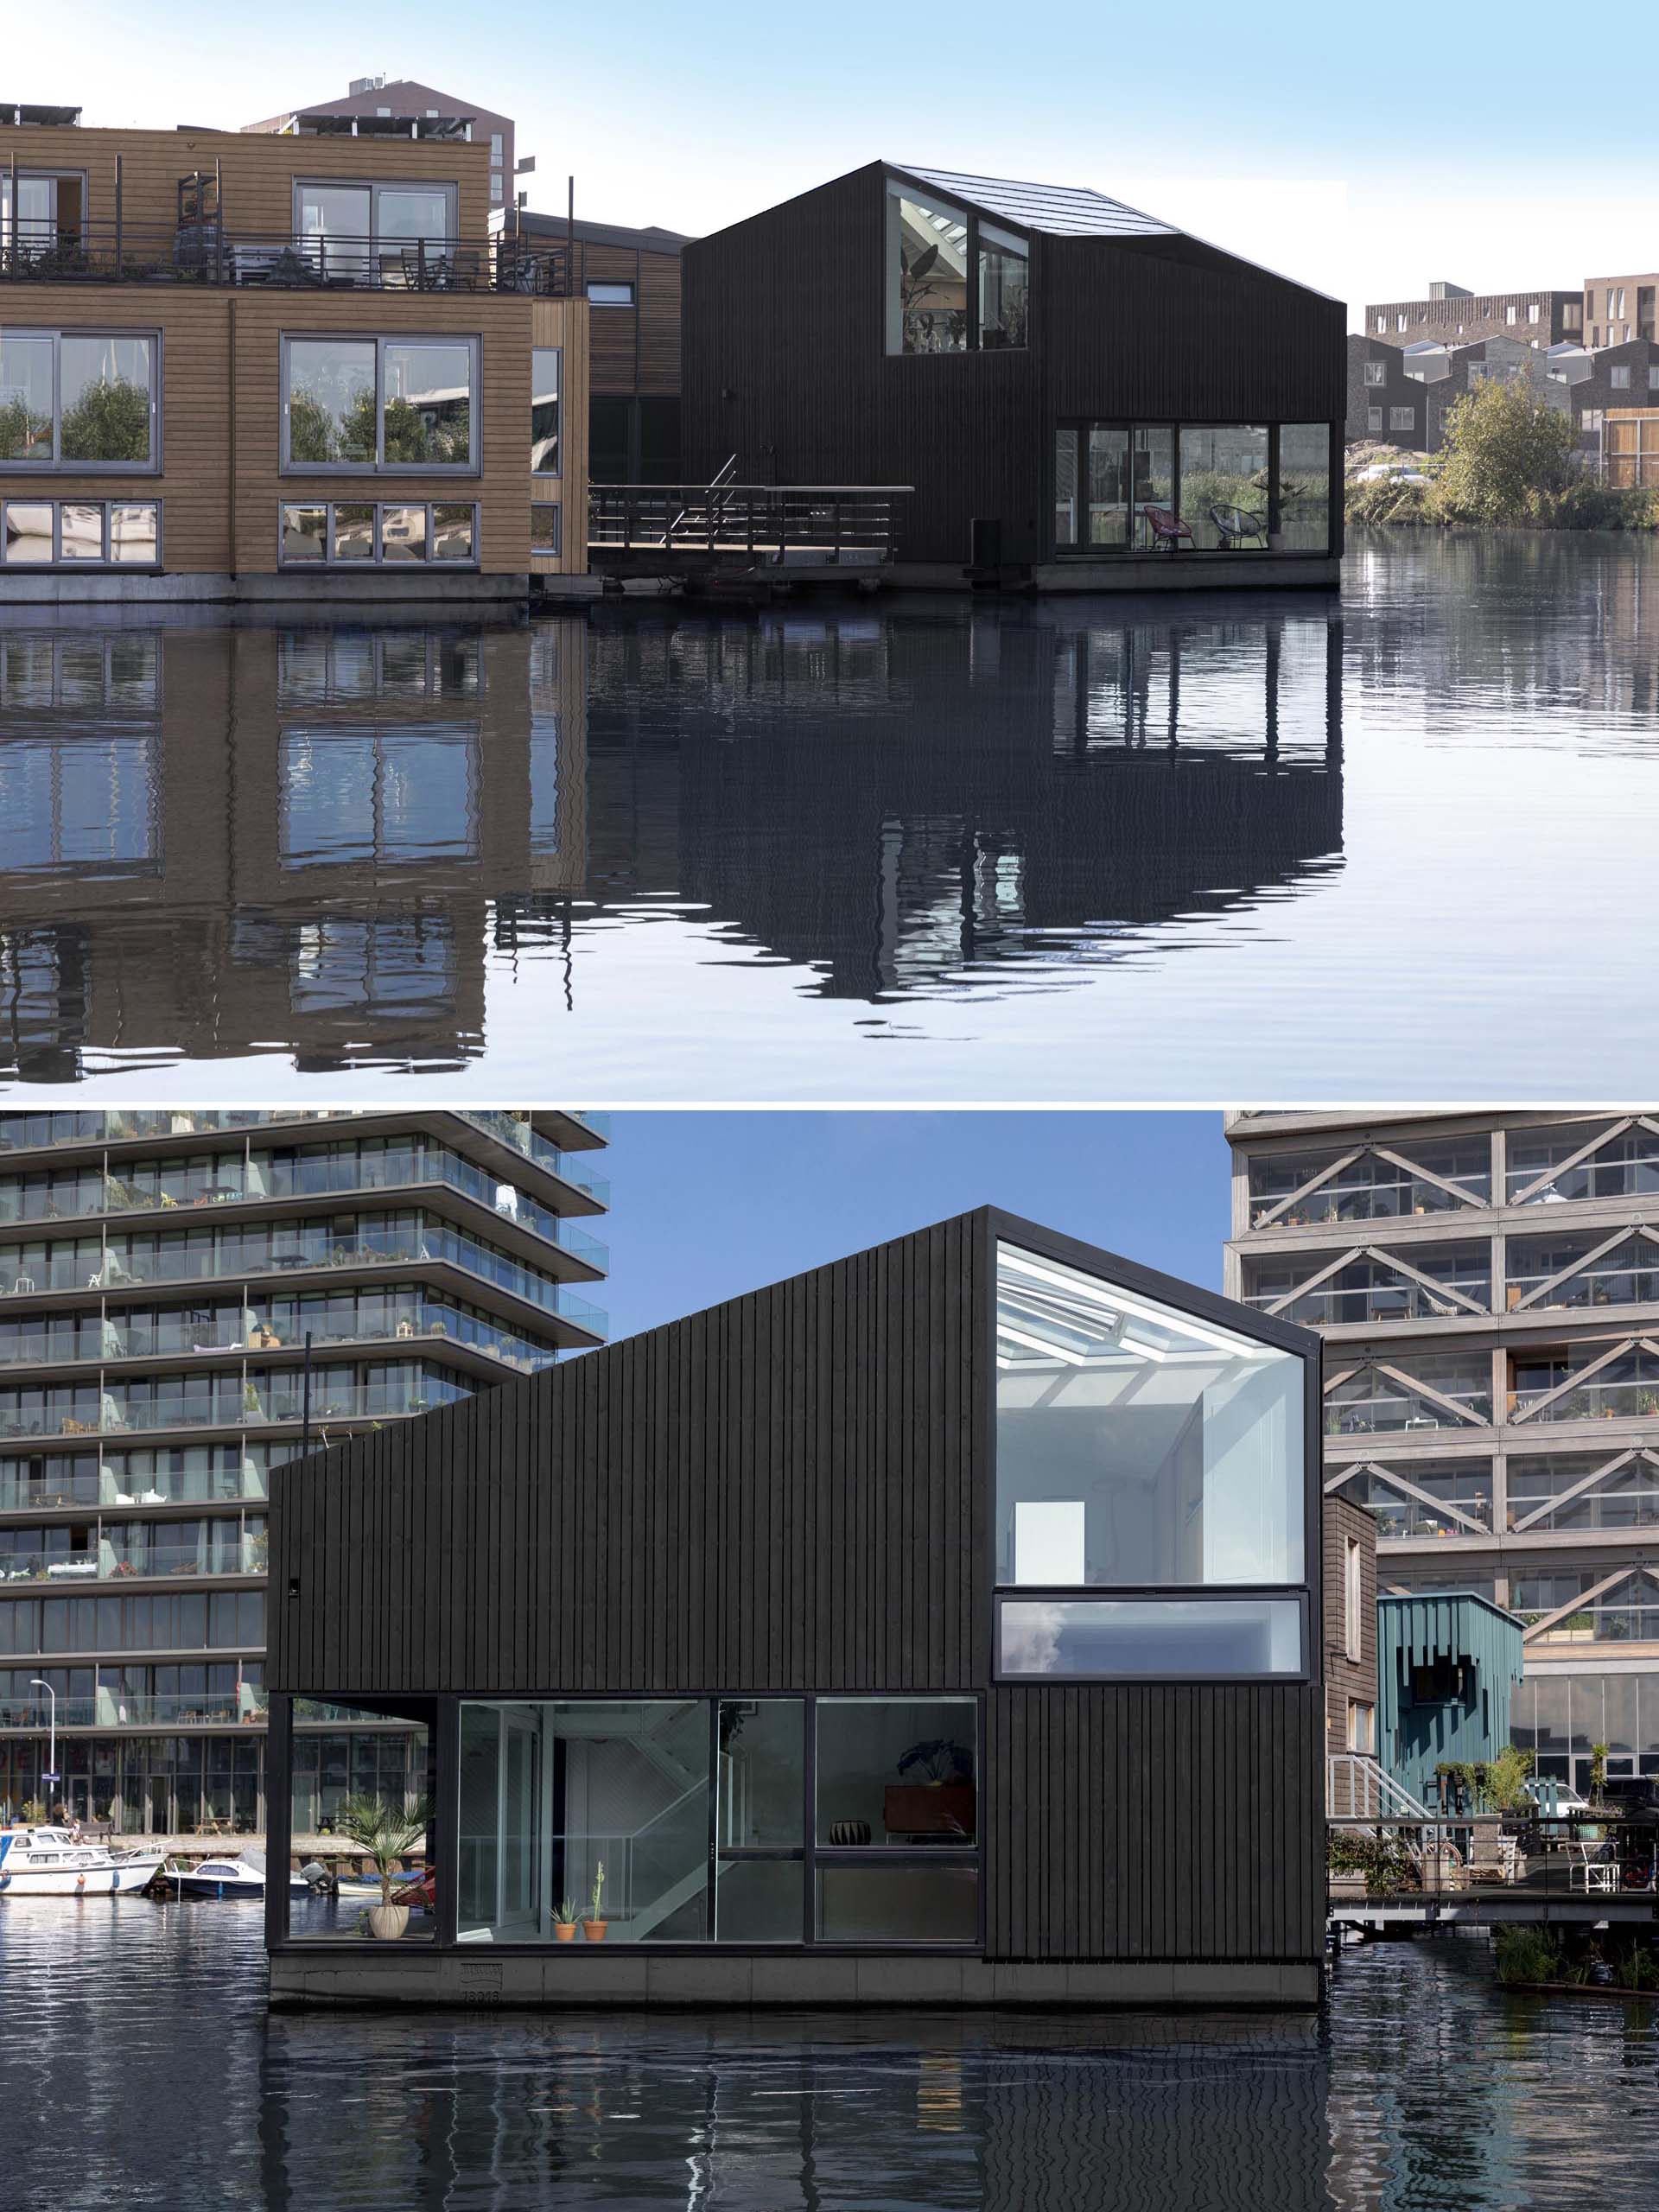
<point x="593" y="1927"/>
<point x="564" y="1920"/>
<point x="383" y="1832"/>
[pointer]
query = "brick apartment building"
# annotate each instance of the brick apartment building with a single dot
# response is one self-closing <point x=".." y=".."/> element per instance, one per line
<point x="1452" y="314"/>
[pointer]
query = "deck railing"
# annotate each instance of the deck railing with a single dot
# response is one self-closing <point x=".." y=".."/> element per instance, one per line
<point x="206" y="253"/>
<point x="835" y="524"/>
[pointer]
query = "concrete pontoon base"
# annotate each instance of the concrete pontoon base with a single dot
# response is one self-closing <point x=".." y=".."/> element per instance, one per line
<point x="406" y="1975"/>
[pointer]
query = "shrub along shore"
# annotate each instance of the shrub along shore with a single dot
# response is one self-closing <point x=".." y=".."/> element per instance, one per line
<point x="1509" y="461"/>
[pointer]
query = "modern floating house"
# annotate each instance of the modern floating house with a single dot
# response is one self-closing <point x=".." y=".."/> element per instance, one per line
<point x="294" y="364"/>
<point x="941" y="1625"/>
<point x="1079" y="394"/>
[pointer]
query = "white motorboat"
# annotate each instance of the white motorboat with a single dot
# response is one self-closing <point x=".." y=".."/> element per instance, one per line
<point x="242" y="1876"/>
<point x="37" y="1862"/>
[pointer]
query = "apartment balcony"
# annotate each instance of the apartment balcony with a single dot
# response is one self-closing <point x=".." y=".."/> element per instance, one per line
<point x="305" y="1257"/>
<point x="205" y="252"/>
<point x="472" y="1346"/>
<point x="257" y="1183"/>
<point x="240" y="1408"/>
<point x="242" y="1557"/>
<point x="110" y="1708"/>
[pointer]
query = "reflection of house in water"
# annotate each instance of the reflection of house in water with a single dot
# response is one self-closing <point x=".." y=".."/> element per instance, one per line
<point x="217" y="840"/>
<point x="898" y="800"/>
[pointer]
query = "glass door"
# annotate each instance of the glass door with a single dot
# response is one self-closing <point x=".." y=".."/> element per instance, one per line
<point x="1107" y="511"/>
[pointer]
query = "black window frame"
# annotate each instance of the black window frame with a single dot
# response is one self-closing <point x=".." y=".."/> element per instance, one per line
<point x="1084" y="423"/>
<point x="809" y="1854"/>
<point x="899" y="186"/>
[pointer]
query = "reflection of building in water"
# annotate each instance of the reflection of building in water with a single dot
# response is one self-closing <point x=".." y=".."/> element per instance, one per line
<point x="219" y="838"/>
<point x="892" y="801"/>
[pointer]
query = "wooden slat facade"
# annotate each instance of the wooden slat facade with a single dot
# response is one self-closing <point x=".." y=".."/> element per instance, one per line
<point x="791" y="1492"/>
<point x="221" y="479"/>
<point x="785" y="364"/>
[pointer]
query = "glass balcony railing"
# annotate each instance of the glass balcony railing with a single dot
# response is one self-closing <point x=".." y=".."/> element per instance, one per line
<point x="21" y="1492"/>
<point x="49" y="1567"/>
<point x="301" y="1248"/>
<point x="1601" y="1286"/>
<point x="154" y="1561"/>
<point x="256" y="1406"/>
<point x="72" y="1712"/>
<point x="570" y="1167"/>
<point x="155" y="1708"/>
<point x="327" y="1176"/>
<point x="148" y="1335"/>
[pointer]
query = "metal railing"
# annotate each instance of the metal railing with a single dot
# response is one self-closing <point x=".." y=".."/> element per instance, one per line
<point x="119" y="251"/>
<point x="828" y="524"/>
<point x="1356" y="1788"/>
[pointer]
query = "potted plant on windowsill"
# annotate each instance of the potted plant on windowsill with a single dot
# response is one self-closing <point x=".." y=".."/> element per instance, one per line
<point x="564" y="1920"/>
<point x="383" y="1832"/>
<point x="592" y="1928"/>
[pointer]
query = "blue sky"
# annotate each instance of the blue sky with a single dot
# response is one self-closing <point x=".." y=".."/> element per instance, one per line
<point x="708" y="1204"/>
<point x="1361" y="160"/>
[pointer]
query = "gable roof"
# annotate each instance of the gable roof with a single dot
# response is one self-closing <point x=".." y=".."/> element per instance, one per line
<point x="1062" y="210"/>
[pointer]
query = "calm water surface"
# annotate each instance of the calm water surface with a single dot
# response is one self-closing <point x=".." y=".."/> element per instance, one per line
<point x="138" y="2067"/>
<point x="1266" y="845"/>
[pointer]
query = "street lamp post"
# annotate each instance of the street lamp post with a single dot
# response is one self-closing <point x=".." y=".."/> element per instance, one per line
<point x="51" y="1774"/>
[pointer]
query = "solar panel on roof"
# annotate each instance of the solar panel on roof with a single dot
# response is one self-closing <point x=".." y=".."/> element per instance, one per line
<point x="1062" y="209"/>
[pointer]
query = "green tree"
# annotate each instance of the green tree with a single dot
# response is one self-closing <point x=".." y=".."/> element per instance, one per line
<point x="314" y="434"/>
<point x="25" y="433"/>
<point x="1506" y="451"/>
<point x="109" y="422"/>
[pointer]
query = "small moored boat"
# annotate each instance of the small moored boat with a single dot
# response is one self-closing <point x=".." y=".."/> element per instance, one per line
<point x="37" y="1862"/>
<point x="242" y="1876"/>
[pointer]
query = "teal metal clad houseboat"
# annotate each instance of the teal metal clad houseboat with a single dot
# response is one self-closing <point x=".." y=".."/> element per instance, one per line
<point x="1447" y="1667"/>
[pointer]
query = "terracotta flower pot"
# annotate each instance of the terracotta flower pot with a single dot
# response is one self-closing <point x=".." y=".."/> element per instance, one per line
<point x="594" y="1930"/>
<point x="565" y="1930"/>
<point x="388" y="1920"/>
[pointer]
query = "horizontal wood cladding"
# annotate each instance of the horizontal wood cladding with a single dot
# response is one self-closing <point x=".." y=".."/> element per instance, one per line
<point x="1162" y="1822"/>
<point x="636" y="349"/>
<point x="257" y="171"/>
<point x="221" y="501"/>
<point x="778" y="1494"/>
<point x="786" y="363"/>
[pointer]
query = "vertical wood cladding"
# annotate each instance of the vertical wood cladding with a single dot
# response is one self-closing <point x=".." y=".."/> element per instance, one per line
<point x="778" y="1494"/>
<point x="786" y="363"/>
<point x="789" y="1492"/>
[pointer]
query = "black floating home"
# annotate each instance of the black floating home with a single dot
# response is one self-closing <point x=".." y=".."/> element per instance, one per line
<point x="1080" y="395"/>
<point x="939" y="1625"/>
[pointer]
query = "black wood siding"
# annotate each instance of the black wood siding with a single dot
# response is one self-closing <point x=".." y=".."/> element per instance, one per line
<point x="785" y="365"/>
<point x="788" y="1493"/>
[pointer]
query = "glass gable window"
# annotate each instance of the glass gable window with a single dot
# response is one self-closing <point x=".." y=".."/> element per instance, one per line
<point x="1137" y="1445"/>
<point x="734" y="1819"/>
<point x="929" y="274"/>
<point x="80" y="399"/>
<point x="956" y="281"/>
<point x="1004" y="287"/>
<point x="379" y="403"/>
<point x="545" y="362"/>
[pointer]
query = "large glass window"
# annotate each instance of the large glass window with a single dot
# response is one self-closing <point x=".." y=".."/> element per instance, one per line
<point x="1194" y="487"/>
<point x="930" y="271"/>
<point x="1004" y="287"/>
<point x="1200" y="1638"/>
<point x="545" y="362"/>
<point x="691" y="1821"/>
<point x="385" y="403"/>
<point x="1137" y="1444"/>
<point x="400" y="233"/>
<point x="80" y="397"/>
<point x="1224" y="485"/>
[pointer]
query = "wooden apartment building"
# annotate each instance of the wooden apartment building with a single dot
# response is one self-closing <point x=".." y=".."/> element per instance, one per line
<point x="295" y="366"/>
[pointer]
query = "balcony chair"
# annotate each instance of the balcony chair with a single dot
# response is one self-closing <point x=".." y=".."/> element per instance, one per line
<point x="1236" y="524"/>
<point x="1168" y="530"/>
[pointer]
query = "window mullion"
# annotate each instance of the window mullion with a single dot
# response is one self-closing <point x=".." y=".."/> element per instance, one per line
<point x="380" y="400"/>
<point x="810" y="1824"/>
